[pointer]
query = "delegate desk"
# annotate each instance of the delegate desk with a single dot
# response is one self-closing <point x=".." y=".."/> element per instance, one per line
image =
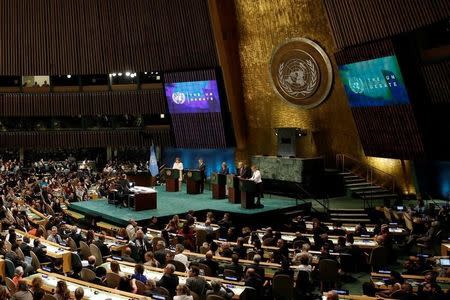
<point x="363" y="243"/>
<point x="351" y="228"/>
<point x="155" y="273"/>
<point x="113" y="244"/>
<point x="445" y="248"/>
<point x="415" y="278"/>
<point x="144" y="198"/>
<point x="53" y="250"/>
<point x="269" y="268"/>
<point x="91" y="291"/>
<point x="35" y="216"/>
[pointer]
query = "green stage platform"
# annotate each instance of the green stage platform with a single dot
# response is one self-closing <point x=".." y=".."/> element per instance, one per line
<point x="178" y="203"/>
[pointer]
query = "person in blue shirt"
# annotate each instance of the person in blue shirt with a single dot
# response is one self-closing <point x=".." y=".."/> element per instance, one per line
<point x="139" y="273"/>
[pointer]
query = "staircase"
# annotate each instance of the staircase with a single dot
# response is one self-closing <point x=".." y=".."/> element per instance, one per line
<point x="359" y="187"/>
<point x="349" y="215"/>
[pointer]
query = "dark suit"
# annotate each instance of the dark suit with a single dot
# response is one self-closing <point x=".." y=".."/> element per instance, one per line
<point x="104" y="250"/>
<point x="25" y="249"/>
<point x="202" y="169"/>
<point x="198" y="285"/>
<point x="169" y="282"/>
<point x="213" y="265"/>
<point x="244" y="172"/>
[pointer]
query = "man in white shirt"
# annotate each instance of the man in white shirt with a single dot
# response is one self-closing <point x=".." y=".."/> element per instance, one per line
<point x="179" y="166"/>
<point x="256" y="177"/>
<point x="179" y="256"/>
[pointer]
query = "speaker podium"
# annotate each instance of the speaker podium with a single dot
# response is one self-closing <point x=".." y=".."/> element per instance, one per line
<point x="172" y="180"/>
<point x="218" y="183"/>
<point x="193" y="178"/>
<point x="234" y="194"/>
<point x="248" y="192"/>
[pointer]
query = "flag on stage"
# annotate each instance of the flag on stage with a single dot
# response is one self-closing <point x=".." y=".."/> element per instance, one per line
<point x="153" y="163"/>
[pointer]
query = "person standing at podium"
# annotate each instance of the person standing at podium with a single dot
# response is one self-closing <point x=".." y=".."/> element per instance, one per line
<point x="256" y="177"/>
<point x="202" y="169"/>
<point x="224" y="169"/>
<point x="243" y="171"/>
<point x="178" y="165"/>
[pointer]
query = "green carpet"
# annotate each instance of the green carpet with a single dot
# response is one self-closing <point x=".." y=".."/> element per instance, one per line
<point x="177" y="203"/>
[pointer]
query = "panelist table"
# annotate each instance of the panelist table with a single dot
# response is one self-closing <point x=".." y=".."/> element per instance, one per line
<point x="144" y="198"/>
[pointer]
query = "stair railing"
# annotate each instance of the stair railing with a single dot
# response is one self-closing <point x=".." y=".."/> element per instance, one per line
<point x="371" y="174"/>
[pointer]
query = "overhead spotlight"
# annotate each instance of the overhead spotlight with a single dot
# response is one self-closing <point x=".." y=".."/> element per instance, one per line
<point x="151" y="73"/>
<point x="120" y="74"/>
<point x="69" y="76"/>
<point x="114" y="74"/>
<point x="158" y="77"/>
<point x="162" y="116"/>
<point x="132" y="75"/>
<point x="127" y="74"/>
<point x="145" y="73"/>
<point x="156" y="73"/>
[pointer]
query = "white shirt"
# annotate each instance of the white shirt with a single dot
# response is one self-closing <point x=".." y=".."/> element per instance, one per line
<point x="178" y="166"/>
<point x="256" y="177"/>
<point x="182" y="259"/>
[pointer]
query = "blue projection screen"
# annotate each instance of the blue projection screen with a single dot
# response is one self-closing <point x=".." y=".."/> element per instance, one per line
<point x="192" y="97"/>
<point x="212" y="157"/>
<point x="375" y="82"/>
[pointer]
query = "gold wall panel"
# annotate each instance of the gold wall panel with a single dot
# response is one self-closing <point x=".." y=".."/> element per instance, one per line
<point x="263" y="25"/>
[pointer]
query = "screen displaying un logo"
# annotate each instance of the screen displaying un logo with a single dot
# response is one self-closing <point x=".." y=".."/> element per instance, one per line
<point x="178" y="98"/>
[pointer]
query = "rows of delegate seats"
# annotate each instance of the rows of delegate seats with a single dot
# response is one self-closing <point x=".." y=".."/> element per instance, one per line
<point x="267" y="258"/>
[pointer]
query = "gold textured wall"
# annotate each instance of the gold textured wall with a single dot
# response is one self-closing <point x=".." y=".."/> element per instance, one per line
<point x="264" y="24"/>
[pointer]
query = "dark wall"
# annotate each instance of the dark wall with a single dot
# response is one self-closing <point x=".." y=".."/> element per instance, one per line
<point x="355" y="22"/>
<point x="51" y="37"/>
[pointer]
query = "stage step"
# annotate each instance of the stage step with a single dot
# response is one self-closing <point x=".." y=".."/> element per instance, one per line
<point x="349" y="215"/>
<point x="351" y="220"/>
<point x="347" y="209"/>
<point x="357" y="184"/>
<point x="379" y="196"/>
<point x="365" y="188"/>
<point x="351" y="181"/>
<point x="345" y="173"/>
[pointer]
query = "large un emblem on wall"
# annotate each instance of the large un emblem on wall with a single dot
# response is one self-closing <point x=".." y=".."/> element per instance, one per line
<point x="301" y="72"/>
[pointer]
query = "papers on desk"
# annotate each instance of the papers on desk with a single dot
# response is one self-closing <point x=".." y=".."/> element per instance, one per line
<point x="142" y="190"/>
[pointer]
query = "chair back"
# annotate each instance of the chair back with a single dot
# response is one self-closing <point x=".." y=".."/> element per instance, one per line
<point x="140" y="287"/>
<point x="230" y="273"/>
<point x="87" y="275"/>
<point x="387" y="214"/>
<point x="98" y="255"/>
<point x="8" y="245"/>
<point x="85" y="251"/>
<point x="378" y="258"/>
<point x="249" y="293"/>
<point x="348" y="264"/>
<point x="35" y="261"/>
<point x="10" y="285"/>
<point x="44" y="232"/>
<point x="203" y="250"/>
<point x="195" y="296"/>
<point x="250" y="254"/>
<point x="283" y="287"/>
<point x="163" y="291"/>
<point x="328" y="270"/>
<point x="72" y="244"/>
<point x="9" y="268"/>
<point x="214" y="297"/>
<point x="112" y="280"/>
<point x="200" y="237"/>
<point x="206" y="269"/>
<point x="179" y="266"/>
<point x="303" y="282"/>
<point x="19" y="253"/>
<point x="49" y="297"/>
<point x="408" y="221"/>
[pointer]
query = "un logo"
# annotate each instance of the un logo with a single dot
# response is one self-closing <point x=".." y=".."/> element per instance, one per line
<point x="178" y="98"/>
<point x="356" y="85"/>
<point x="301" y="72"/>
